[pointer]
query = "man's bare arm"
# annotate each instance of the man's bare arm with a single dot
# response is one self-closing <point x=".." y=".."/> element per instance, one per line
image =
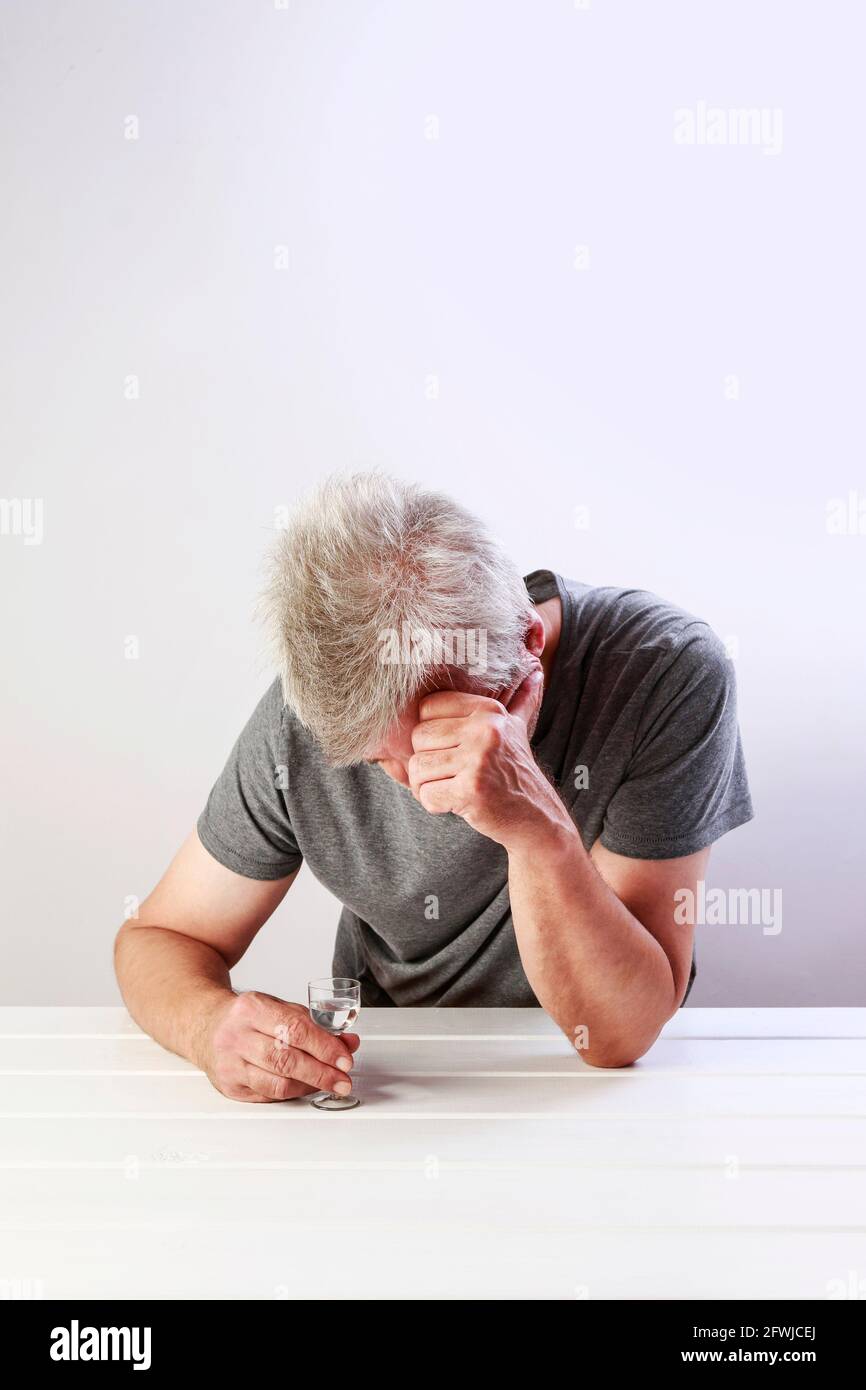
<point x="599" y="942"/>
<point x="173" y="965"/>
<point x="596" y="934"/>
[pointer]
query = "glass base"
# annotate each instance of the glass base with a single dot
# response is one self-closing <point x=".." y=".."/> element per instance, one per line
<point x="326" y="1101"/>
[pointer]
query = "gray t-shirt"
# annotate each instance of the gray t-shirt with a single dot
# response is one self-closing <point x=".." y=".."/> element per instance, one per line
<point x="638" y="732"/>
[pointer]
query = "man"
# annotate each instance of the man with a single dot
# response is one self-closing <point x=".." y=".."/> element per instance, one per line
<point x="505" y="782"/>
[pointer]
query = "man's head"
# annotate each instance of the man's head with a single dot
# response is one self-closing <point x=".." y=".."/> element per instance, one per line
<point x="379" y="592"/>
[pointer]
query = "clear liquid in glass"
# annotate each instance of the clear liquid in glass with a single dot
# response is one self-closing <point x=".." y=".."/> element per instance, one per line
<point x="335" y="1015"/>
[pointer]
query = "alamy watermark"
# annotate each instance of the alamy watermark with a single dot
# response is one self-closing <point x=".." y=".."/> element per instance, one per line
<point x="846" y="516"/>
<point x="735" y="907"/>
<point x="465" y="647"/>
<point x="77" y="1343"/>
<point x="22" y="1288"/>
<point x="702" y="124"/>
<point x="853" y="1286"/>
<point x="24" y="517"/>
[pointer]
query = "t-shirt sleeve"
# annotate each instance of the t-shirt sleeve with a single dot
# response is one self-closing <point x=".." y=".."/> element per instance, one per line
<point x="686" y="782"/>
<point x="245" y="824"/>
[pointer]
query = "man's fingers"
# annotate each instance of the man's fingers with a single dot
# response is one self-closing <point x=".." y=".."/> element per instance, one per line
<point x="292" y="1026"/>
<point x="456" y="704"/>
<point x="291" y="1064"/>
<point x="438" y="733"/>
<point x="432" y="766"/>
<point x="439" y="797"/>
<point x="264" y="1085"/>
<point x="352" y="1041"/>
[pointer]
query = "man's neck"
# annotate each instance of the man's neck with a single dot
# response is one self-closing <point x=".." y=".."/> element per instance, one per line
<point x="550" y="613"/>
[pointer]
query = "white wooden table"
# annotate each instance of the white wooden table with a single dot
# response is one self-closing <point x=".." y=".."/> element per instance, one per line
<point x="486" y="1161"/>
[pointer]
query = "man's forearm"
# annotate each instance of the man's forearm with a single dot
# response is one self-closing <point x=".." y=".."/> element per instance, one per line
<point x="591" y="963"/>
<point x="172" y="985"/>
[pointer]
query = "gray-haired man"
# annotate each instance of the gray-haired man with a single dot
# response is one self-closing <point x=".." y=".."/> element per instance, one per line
<point x="504" y="781"/>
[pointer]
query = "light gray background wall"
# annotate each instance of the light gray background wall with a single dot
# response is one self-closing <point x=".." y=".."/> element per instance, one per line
<point x="298" y="269"/>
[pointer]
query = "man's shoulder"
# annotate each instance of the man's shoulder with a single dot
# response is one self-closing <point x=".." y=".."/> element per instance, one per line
<point x="635" y="648"/>
<point x="625" y="620"/>
<point x="270" y="711"/>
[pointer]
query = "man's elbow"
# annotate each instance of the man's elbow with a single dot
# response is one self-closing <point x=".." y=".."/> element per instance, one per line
<point x="617" y="1052"/>
<point x="614" y="1058"/>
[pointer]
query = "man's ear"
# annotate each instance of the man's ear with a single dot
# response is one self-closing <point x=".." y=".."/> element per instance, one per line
<point x="535" y="636"/>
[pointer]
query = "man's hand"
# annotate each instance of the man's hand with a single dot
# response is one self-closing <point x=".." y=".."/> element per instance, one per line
<point x="258" y="1048"/>
<point x="472" y="756"/>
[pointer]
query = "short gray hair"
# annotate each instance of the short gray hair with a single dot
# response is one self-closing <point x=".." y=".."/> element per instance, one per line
<point x="364" y="556"/>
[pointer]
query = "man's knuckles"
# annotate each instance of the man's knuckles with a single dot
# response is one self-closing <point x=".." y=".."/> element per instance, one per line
<point x="434" y="734"/>
<point x="281" y="1058"/>
<point x="490" y="733"/>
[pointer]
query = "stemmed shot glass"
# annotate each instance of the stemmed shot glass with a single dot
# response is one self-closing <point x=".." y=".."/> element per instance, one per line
<point x="334" y="1005"/>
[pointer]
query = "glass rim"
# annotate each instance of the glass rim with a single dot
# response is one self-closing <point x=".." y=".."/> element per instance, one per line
<point x="334" y="984"/>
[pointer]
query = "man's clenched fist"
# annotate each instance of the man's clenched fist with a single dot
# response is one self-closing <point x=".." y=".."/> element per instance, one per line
<point x="472" y="756"/>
